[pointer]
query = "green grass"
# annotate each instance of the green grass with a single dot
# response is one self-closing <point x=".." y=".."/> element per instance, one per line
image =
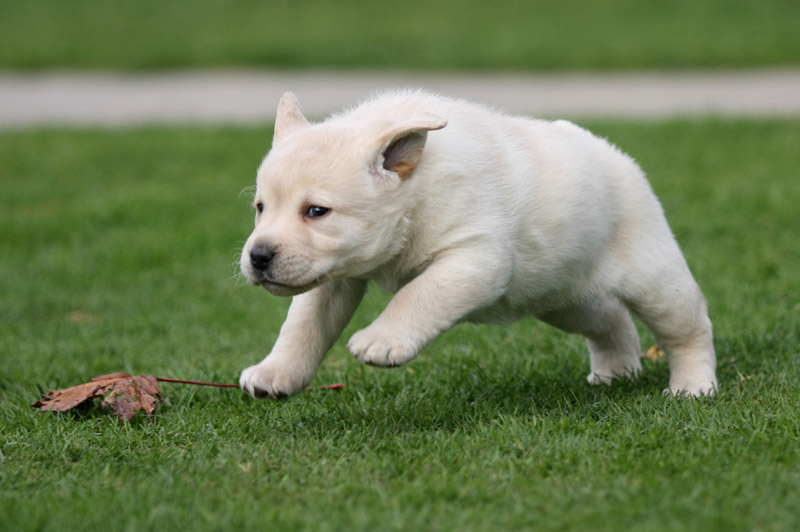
<point x="491" y="428"/>
<point x="435" y="34"/>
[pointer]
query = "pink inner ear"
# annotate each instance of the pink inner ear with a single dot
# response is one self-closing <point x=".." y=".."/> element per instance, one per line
<point x="403" y="154"/>
<point x="403" y="169"/>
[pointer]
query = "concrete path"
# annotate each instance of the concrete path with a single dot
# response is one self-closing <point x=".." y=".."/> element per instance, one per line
<point x="241" y="97"/>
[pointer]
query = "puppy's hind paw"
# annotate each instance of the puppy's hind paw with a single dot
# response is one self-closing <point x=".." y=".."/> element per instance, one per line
<point x="594" y="378"/>
<point x="707" y="389"/>
<point x="701" y="382"/>
<point x="609" y="377"/>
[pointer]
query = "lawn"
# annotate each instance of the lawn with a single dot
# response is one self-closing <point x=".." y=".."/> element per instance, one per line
<point x="417" y="34"/>
<point x="117" y="255"/>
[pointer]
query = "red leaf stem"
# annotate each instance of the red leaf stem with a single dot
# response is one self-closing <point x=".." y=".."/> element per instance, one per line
<point x="198" y="383"/>
<point x="337" y="386"/>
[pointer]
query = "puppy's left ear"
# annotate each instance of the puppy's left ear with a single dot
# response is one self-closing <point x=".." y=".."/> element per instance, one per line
<point x="289" y="118"/>
<point x="401" y="147"/>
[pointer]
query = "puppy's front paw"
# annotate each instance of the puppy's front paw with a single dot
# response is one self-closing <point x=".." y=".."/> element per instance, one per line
<point x="379" y="347"/>
<point x="271" y="379"/>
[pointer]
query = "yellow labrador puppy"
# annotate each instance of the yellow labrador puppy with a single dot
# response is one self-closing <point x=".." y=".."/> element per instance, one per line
<point x="466" y="214"/>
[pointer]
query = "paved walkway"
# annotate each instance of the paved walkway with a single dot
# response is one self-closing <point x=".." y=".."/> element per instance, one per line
<point x="237" y="97"/>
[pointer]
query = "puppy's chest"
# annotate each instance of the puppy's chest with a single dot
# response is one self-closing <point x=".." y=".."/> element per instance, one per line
<point x="390" y="281"/>
<point x="395" y="274"/>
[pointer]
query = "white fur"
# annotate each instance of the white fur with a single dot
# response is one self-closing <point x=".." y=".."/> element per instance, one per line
<point x="499" y="217"/>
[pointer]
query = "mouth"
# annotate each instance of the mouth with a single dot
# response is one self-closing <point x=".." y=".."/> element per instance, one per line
<point x="288" y="279"/>
<point x="286" y="290"/>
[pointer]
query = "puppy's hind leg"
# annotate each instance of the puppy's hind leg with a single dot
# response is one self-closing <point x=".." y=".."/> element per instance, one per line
<point x="673" y="307"/>
<point x="610" y="334"/>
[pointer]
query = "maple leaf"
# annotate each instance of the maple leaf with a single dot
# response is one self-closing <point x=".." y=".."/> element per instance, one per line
<point x="122" y="393"/>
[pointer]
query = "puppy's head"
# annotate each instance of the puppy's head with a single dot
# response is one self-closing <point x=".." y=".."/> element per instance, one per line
<point x="330" y="200"/>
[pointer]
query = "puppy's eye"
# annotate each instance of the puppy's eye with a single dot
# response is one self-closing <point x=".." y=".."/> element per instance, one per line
<point x="315" y="211"/>
<point x="259" y="207"/>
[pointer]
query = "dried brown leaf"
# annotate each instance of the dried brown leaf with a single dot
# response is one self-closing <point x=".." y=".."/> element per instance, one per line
<point x="655" y="353"/>
<point x="124" y="394"/>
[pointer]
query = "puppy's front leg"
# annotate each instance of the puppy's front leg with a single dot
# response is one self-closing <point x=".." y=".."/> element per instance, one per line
<point x="437" y="299"/>
<point x="314" y="322"/>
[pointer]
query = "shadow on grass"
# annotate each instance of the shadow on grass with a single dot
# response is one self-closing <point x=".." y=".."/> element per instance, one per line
<point x="459" y="398"/>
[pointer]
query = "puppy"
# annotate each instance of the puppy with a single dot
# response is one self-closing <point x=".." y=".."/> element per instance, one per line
<point x="465" y="214"/>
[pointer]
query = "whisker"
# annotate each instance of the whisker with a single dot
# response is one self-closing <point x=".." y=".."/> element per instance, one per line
<point x="248" y="192"/>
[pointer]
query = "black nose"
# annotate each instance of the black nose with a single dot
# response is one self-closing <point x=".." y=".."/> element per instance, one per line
<point x="261" y="256"/>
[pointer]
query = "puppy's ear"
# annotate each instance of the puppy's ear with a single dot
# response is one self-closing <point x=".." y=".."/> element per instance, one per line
<point x="402" y="147"/>
<point x="290" y="118"/>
